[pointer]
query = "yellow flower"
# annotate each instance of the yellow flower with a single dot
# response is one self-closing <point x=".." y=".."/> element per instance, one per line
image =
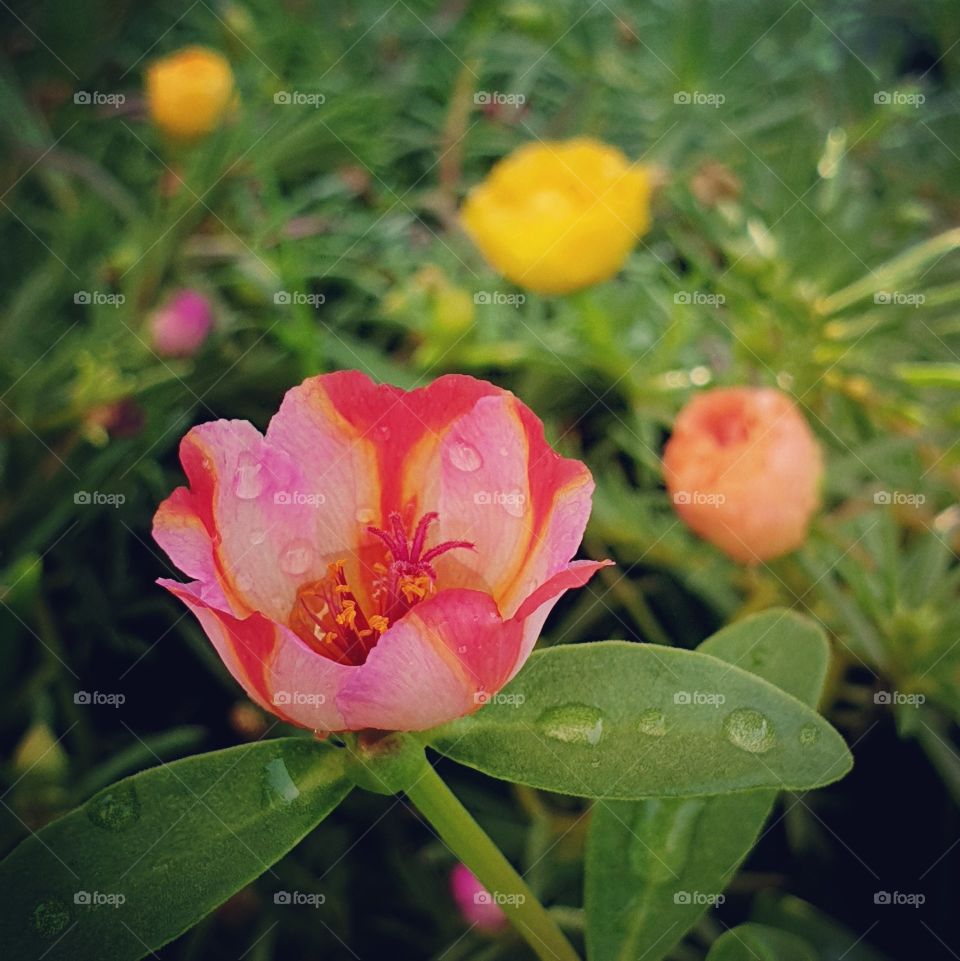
<point x="554" y="217"/>
<point x="189" y="92"/>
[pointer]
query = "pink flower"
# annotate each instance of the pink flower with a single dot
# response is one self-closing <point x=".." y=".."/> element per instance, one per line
<point x="476" y="904"/>
<point x="743" y="470"/>
<point x="379" y="559"/>
<point x="180" y="327"/>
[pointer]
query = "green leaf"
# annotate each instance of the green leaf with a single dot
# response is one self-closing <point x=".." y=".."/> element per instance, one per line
<point x="757" y="942"/>
<point x="619" y="720"/>
<point x="148" y="857"/>
<point x="653" y="867"/>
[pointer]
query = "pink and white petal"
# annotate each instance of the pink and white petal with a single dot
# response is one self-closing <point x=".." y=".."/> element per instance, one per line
<point x="276" y="669"/>
<point x="478" y="484"/>
<point x="439" y="662"/>
<point x="534" y="610"/>
<point x="250" y="496"/>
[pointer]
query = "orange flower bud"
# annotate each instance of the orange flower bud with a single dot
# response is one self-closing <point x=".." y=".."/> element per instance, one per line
<point x="743" y="470"/>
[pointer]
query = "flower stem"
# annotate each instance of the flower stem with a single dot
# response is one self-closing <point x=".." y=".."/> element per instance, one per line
<point x="470" y="843"/>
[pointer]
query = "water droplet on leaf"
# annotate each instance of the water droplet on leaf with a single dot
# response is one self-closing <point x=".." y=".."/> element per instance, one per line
<point x="116" y="808"/>
<point x="277" y="782"/>
<point x="809" y="734"/>
<point x="573" y="724"/>
<point x="50" y="917"/>
<point x="652" y="721"/>
<point x="749" y="730"/>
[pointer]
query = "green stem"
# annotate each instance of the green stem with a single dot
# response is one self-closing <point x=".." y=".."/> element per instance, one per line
<point x="468" y="841"/>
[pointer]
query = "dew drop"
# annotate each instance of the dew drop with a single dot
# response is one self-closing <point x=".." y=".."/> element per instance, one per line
<point x="365" y="515"/>
<point x="573" y="724"/>
<point x="652" y="721"/>
<point x="258" y="537"/>
<point x="277" y="782"/>
<point x="247" y="479"/>
<point x="465" y="457"/>
<point x="50" y="917"/>
<point x="296" y="557"/>
<point x="115" y="809"/>
<point x="809" y="734"/>
<point x="749" y="730"/>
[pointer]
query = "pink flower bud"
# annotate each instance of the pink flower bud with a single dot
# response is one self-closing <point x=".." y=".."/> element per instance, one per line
<point x="743" y="470"/>
<point x="178" y="328"/>
<point x="478" y="907"/>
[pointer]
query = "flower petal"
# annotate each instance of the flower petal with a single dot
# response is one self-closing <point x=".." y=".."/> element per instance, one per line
<point x="439" y="662"/>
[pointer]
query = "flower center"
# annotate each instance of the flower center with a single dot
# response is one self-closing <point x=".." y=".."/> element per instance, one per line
<point x="326" y="613"/>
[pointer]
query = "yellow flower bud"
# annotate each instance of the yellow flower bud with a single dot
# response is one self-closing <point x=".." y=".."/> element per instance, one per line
<point x="189" y="92"/>
<point x="554" y="217"/>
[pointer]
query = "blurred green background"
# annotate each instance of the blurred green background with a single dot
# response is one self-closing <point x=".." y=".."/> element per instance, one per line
<point x="804" y="237"/>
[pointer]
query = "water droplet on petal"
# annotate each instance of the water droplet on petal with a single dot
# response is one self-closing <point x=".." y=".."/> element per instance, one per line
<point x="465" y="456"/>
<point x="247" y="479"/>
<point x="749" y="730"/>
<point x="50" y="917"/>
<point x="652" y="721"/>
<point x="116" y="808"/>
<point x="572" y="724"/>
<point x="257" y="538"/>
<point x="278" y="785"/>
<point x="365" y="515"/>
<point x="296" y="557"/>
<point x="809" y="734"/>
<point x="504" y="452"/>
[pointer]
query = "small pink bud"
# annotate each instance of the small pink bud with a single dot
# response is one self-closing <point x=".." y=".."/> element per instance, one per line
<point x="179" y="327"/>
<point x="743" y="470"/>
<point x="478" y="907"/>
